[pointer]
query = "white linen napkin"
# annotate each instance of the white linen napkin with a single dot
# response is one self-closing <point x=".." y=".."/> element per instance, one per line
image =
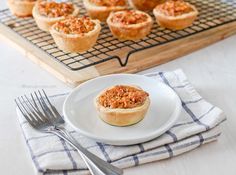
<point x="198" y="124"/>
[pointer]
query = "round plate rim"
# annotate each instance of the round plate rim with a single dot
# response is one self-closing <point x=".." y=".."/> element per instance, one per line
<point x="165" y="127"/>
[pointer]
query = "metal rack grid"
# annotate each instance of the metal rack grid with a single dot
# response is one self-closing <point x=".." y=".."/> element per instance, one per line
<point x="212" y="13"/>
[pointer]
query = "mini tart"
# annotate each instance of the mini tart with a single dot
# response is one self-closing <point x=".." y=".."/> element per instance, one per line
<point x="175" y="15"/>
<point x="47" y="13"/>
<point x="21" y="8"/>
<point x="75" y="34"/>
<point x="129" y="24"/>
<point x="145" y="5"/>
<point x="122" y="105"/>
<point x="100" y="9"/>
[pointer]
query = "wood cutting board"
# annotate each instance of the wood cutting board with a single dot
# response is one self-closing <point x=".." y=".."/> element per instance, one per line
<point x="138" y="61"/>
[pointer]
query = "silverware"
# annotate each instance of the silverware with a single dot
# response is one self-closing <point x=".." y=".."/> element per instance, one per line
<point x="44" y="117"/>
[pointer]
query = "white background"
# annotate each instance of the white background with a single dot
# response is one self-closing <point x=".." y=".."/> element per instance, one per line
<point x="211" y="70"/>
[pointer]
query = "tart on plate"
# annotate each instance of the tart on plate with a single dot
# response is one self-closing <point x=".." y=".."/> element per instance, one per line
<point x="21" y="8"/>
<point x="46" y="13"/>
<point x="129" y="24"/>
<point x="145" y="5"/>
<point x="75" y="34"/>
<point x="100" y="9"/>
<point x="175" y="14"/>
<point x="122" y="105"/>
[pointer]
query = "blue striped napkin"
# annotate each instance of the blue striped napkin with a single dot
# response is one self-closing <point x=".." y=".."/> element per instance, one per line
<point x="199" y="124"/>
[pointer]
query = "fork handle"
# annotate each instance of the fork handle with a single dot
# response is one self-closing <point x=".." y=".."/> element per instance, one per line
<point x="93" y="170"/>
<point x="93" y="162"/>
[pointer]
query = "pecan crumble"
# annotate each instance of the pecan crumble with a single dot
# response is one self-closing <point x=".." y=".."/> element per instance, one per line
<point x="73" y="25"/>
<point x="53" y="9"/>
<point x="129" y="17"/>
<point x="174" y="7"/>
<point x="123" y="97"/>
<point x="109" y="3"/>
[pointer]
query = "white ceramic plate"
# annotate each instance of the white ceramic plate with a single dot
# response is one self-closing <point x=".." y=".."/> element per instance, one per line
<point x="80" y="113"/>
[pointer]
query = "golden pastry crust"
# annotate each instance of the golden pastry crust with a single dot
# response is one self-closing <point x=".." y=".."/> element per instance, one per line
<point x="130" y="31"/>
<point x="122" y="116"/>
<point x="174" y="18"/>
<point x="101" y="12"/>
<point x="21" y="8"/>
<point x="45" y="22"/>
<point x="145" y="5"/>
<point x="75" y="41"/>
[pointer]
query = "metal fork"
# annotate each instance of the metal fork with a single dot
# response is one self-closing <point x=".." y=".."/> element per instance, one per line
<point x="43" y="116"/>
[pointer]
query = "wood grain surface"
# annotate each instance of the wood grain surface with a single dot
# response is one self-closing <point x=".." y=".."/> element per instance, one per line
<point x="139" y="61"/>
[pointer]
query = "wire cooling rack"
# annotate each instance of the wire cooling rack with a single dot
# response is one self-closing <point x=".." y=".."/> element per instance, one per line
<point x="212" y="13"/>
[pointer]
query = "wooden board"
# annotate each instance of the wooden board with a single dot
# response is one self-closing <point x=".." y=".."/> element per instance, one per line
<point x="137" y="62"/>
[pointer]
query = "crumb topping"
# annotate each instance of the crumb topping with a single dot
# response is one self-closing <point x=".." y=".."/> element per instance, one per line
<point x="123" y="97"/>
<point x="129" y="17"/>
<point x="109" y="3"/>
<point x="53" y="9"/>
<point x="73" y="25"/>
<point x="174" y="7"/>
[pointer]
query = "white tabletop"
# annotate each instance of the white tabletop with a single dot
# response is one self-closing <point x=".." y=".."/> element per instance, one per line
<point x="211" y="70"/>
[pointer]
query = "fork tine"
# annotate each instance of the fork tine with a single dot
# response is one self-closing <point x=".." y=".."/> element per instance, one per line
<point x="37" y="117"/>
<point x="34" y="110"/>
<point x="46" y="115"/>
<point x="25" y="109"/>
<point x="21" y="110"/>
<point x="30" y="111"/>
<point x="27" y="116"/>
<point x="35" y="104"/>
<point x="47" y="108"/>
<point x="32" y="106"/>
<point x="40" y="103"/>
<point x="47" y="98"/>
<point x="53" y="108"/>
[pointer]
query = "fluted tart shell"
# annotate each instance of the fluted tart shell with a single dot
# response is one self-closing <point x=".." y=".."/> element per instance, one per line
<point x="119" y="116"/>
<point x="144" y="5"/>
<point x="101" y="12"/>
<point x="132" y="32"/>
<point x="21" y="8"/>
<point x="176" y="22"/>
<point x="76" y="42"/>
<point x="45" y="23"/>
